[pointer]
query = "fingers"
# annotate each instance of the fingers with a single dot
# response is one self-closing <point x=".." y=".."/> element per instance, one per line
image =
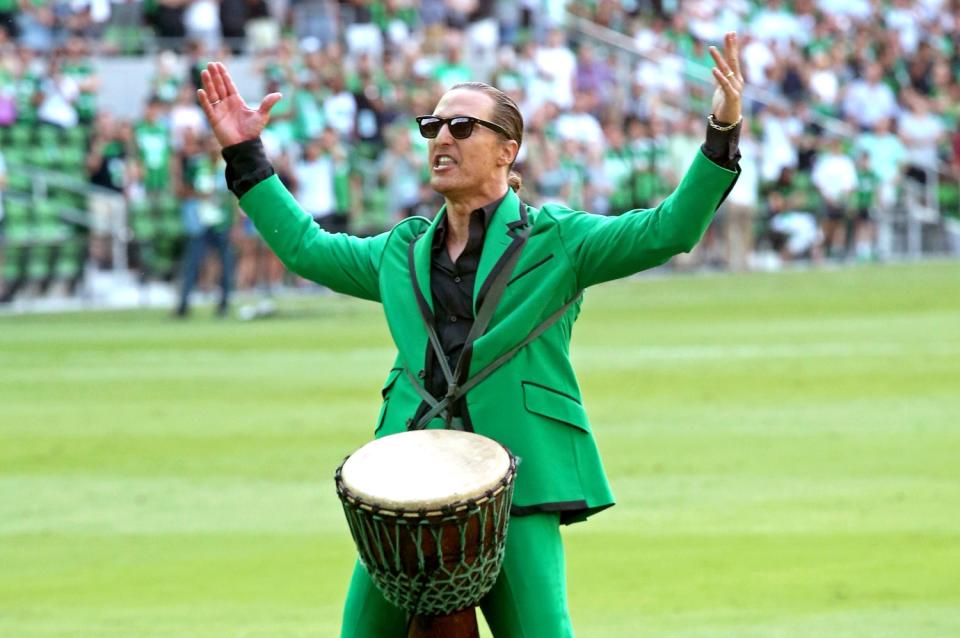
<point x="206" y="79"/>
<point x="720" y="62"/>
<point x="732" y="50"/>
<point x="217" y="77"/>
<point x="205" y="103"/>
<point x="726" y="83"/>
<point x="268" y="103"/>
<point x="228" y="84"/>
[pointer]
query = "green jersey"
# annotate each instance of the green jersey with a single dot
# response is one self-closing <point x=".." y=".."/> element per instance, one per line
<point x="87" y="100"/>
<point x="618" y="165"/>
<point x="867" y="183"/>
<point x="153" y="142"/>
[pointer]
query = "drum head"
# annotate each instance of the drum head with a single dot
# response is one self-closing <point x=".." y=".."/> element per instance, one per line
<point x="425" y="469"/>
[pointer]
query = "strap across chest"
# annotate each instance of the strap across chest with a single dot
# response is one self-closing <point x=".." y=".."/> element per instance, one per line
<point x="497" y="287"/>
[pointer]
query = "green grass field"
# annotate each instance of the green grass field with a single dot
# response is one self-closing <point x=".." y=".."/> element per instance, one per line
<point x="785" y="450"/>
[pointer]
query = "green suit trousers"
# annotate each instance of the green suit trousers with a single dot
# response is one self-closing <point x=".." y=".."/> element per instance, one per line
<point x="529" y="599"/>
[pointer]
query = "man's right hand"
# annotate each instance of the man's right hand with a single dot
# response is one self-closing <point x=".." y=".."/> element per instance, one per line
<point x="230" y="118"/>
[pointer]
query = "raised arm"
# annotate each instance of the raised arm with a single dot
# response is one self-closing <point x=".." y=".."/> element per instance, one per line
<point x="341" y="262"/>
<point x="605" y="248"/>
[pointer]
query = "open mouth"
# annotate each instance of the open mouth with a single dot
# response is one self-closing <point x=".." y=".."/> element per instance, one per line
<point x="443" y="163"/>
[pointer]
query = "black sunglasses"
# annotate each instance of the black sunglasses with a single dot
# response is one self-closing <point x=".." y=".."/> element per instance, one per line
<point x="461" y="126"/>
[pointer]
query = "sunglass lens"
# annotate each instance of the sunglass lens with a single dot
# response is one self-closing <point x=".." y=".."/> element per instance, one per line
<point x="461" y="127"/>
<point x="429" y="127"/>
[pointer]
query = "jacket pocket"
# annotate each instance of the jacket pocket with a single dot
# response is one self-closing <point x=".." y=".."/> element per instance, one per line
<point x="385" y="393"/>
<point x="531" y="268"/>
<point x="554" y="405"/>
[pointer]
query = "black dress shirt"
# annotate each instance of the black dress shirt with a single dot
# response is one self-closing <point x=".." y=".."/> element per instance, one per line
<point x="451" y="285"/>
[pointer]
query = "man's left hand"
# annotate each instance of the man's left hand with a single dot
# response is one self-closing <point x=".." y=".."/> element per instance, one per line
<point x="726" y="99"/>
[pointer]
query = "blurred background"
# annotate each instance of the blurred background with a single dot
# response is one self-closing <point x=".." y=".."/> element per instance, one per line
<point x="851" y="149"/>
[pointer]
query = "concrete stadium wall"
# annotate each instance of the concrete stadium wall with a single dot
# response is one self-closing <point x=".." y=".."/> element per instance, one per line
<point x="125" y="82"/>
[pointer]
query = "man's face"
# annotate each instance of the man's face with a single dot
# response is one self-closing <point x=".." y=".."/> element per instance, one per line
<point x="460" y="166"/>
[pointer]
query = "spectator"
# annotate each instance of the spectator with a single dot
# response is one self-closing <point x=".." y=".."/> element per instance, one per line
<point x="579" y="124"/>
<point x="868" y="189"/>
<point x="452" y="70"/>
<point x="557" y="64"/>
<point x="835" y="177"/>
<point x="869" y="99"/>
<point x="58" y="97"/>
<point x="167" y="18"/>
<point x="205" y="218"/>
<point x="155" y="147"/>
<point x="201" y="21"/>
<point x="185" y="114"/>
<point x="921" y="132"/>
<point x="594" y="76"/>
<point x="740" y="207"/>
<point x="110" y="147"/>
<point x="781" y="134"/>
<point x="340" y="108"/>
<point x="886" y="155"/>
<point x="402" y="171"/>
<point x="313" y="176"/>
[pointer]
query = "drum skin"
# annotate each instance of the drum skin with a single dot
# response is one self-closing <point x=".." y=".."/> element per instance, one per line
<point x="428" y="557"/>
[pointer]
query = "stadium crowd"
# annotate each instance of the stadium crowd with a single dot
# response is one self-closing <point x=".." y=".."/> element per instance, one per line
<point x="855" y="102"/>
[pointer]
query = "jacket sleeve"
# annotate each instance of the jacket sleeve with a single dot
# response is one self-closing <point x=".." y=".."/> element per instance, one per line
<point x="604" y="248"/>
<point x="344" y="263"/>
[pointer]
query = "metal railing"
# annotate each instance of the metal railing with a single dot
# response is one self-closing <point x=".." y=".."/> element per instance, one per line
<point x="919" y="206"/>
<point x="43" y="180"/>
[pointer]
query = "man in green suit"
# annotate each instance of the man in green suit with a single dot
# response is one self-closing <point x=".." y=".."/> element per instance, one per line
<point x="481" y="303"/>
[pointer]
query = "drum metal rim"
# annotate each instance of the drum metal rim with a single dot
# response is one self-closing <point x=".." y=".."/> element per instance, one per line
<point x="453" y="508"/>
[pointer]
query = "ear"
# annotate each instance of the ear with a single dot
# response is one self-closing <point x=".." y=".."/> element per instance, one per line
<point x="508" y="153"/>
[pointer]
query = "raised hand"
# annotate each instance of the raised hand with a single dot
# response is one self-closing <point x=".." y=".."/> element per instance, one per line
<point x="727" y="97"/>
<point x="230" y="118"/>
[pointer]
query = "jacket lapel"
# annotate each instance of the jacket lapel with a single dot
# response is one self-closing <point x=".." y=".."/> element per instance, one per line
<point x="422" y="257"/>
<point x="496" y="242"/>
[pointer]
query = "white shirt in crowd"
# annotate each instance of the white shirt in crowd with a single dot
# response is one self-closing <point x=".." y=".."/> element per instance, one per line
<point x="315" y="186"/>
<point x="663" y="74"/>
<point x="340" y="111"/>
<point x="834" y="175"/>
<point x="780" y="134"/>
<point x="869" y="103"/>
<point x="825" y="85"/>
<point x="59" y="94"/>
<point x="856" y="9"/>
<point x="557" y="65"/>
<point x="185" y="116"/>
<point x="921" y="134"/>
<point x="757" y="58"/>
<point x="582" y="127"/>
<point x="746" y="192"/>
<point x="780" y="26"/>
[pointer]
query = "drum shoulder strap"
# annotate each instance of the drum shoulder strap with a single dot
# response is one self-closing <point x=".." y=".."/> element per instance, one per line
<point x="498" y="286"/>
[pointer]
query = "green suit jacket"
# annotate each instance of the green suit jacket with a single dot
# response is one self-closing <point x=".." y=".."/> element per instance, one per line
<point x="532" y="404"/>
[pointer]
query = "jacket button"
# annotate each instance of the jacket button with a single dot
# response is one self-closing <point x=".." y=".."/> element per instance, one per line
<point x="422" y="374"/>
<point x="453" y="318"/>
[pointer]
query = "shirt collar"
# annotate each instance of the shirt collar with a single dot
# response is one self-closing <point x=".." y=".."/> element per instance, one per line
<point x="486" y="212"/>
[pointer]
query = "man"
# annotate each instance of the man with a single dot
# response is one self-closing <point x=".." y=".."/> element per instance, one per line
<point x="512" y="380"/>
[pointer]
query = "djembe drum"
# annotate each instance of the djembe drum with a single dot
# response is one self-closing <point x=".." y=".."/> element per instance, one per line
<point x="428" y="511"/>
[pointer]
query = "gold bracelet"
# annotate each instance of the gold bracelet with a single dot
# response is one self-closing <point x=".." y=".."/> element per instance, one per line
<point x="714" y="125"/>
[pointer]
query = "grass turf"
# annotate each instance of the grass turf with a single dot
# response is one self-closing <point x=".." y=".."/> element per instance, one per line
<point x="783" y="447"/>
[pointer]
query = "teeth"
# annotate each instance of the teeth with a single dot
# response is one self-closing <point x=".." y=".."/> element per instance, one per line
<point x="444" y="160"/>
